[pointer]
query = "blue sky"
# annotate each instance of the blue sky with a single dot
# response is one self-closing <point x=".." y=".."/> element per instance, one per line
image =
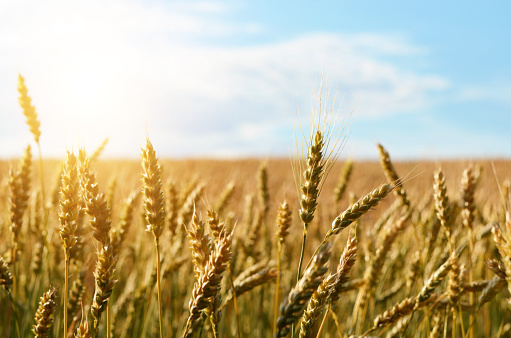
<point x="228" y="78"/>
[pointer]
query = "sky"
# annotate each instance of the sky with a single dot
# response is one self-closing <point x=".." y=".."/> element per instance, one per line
<point x="227" y="79"/>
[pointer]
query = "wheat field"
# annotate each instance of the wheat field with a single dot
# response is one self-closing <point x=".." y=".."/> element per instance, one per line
<point x="315" y="246"/>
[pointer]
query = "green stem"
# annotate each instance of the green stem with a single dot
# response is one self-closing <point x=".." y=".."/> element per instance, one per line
<point x="66" y="288"/>
<point x="236" y="313"/>
<point x="15" y="314"/>
<point x="299" y="275"/>
<point x="277" y="288"/>
<point x="305" y="225"/>
<point x="158" y="277"/>
<point x="108" y="319"/>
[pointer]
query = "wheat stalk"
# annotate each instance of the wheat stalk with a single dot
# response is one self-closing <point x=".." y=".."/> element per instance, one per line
<point x="154" y="206"/>
<point x="68" y="215"/>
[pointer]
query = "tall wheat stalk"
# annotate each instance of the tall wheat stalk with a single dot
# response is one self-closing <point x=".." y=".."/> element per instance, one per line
<point x="68" y="216"/>
<point x="154" y="206"/>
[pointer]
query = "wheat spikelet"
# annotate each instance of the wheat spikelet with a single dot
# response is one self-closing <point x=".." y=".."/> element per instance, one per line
<point x="344" y="178"/>
<point x="494" y="286"/>
<point x="44" y="314"/>
<point x="248" y="210"/>
<point x="254" y="235"/>
<point x="214" y="224"/>
<point x="5" y="275"/>
<point x="356" y="210"/>
<point x="99" y="150"/>
<point x="68" y="212"/>
<point x="262" y="185"/>
<point x="315" y="307"/>
<point x="436" y="278"/>
<point x="312" y="177"/>
<point x="19" y="184"/>
<point x="283" y="222"/>
<point x="186" y="211"/>
<point x="414" y="270"/>
<point x="392" y="175"/>
<point x="83" y="330"/>
<point x="257" y="275"/>
<point x="399" y="328"/>
<point x="28" y="109"/>
<point x="502" y="239"/>
<point x="110" y="192"/>
<point x="55" y="189"/>
<point x="454" y="288"/>
<point x="442" y="204"/>
<point x="373" y="271"/>
<point x="497" y="267"/>
<point x="252" y="270"/>
<point x="392" y="315"/>
<point x="346" y="263"/>
<point x="476" y="286"/>
<point x="36" y="262"/>
<point x="199" y="245"/>
<point x="172" y="207"/>
<point x="95" y="204"/>
<point x="467" y="200"/>
<point x="119" y="234"/>
<point x="36" y="219"/>
<point x="226" y="195"/>
<point x="154" y="203"/>
<point x="104" y="282"/>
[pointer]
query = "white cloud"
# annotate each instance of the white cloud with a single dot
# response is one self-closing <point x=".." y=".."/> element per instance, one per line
<point x="98" y="69"/>
<point x="495" y="91"/>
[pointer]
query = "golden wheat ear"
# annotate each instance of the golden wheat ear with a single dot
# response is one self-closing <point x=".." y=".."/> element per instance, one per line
<point x="5" y="275"/>
<point x="28" y="109"/>
<point x="44" y="314"/>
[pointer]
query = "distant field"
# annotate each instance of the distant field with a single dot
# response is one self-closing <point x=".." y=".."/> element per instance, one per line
<point x="384" y="273"/>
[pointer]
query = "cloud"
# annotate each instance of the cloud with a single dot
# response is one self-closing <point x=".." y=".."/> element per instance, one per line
<point x="119" y="69"/>
<point x="496" y="91"/>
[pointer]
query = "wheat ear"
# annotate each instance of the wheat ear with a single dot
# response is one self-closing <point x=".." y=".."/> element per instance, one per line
<point x="502" y="239"/>
<point x="99" y="150"/>
<point x="207" y="286"/>
<point x="19" y="184"/>
<point x="392" y="175"/>
<point x="68" y="215"/>
<point x="44" y="314"/>
<point x="293" y="305"/>
<point x="5" y="275"/>
<point x="356" y="210"/>
<point x="442" y="205"/>
<point x="344" y="178"/>
<point x="329" y="289"/>
<point x="33" y="123"/>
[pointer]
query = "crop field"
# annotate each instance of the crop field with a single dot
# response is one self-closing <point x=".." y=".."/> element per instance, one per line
<point x="314" y="246"/>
